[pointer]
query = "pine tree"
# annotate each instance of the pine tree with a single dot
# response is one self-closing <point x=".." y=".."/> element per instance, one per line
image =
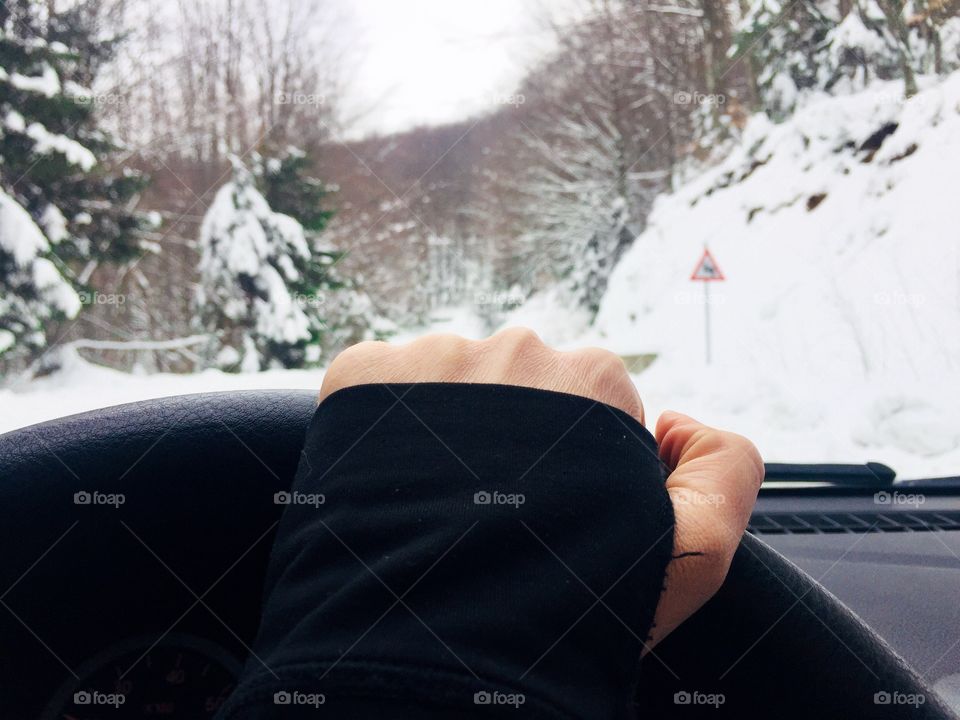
<point x="344" y="313"/>
<point x="269" y="295"/>
<point x="51" y="158"/>
<point x="32" y="290"/>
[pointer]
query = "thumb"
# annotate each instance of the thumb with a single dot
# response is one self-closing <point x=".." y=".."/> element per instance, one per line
<point x="713" y="484"/>
<point x="711" y="467"/>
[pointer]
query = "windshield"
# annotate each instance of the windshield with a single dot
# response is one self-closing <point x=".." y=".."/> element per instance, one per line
<point x="753" y="203"/>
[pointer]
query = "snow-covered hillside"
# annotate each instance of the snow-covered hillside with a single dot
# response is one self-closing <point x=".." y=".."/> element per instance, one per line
<point x="837" y="332"/>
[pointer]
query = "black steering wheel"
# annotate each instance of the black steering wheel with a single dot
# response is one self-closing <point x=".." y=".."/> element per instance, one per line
<point x="135" y="542"/>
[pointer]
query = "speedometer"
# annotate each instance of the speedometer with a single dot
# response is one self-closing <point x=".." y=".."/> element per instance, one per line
<point x="180" y="676"/>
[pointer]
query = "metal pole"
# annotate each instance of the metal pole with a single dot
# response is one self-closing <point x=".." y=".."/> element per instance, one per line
<point x="706" y="315"/>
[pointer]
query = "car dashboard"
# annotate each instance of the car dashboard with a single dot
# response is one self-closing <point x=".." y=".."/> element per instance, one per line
<point x="892" y="556"/>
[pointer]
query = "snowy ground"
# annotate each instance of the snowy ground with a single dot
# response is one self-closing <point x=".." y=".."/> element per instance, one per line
<point x="82" y="386"/>
<point x="835" y="334"/>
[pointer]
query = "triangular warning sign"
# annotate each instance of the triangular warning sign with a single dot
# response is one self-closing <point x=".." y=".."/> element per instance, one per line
<point x="707" y="269"/>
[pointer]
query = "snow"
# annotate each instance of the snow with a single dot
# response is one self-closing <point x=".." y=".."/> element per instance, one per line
<point x="51" y="286"/>
<point x="46" y="289"/>
<point x="242" y="236"/>
<point x="14" y="121"/>
<point x="852" y="35"/>
<point x="19" y="236"/>
<point x="461" y="320"/>
<point x="82" y="386"/>
<point x="54" y="224"/>
<point x="47" y="84"/>
<point x="47" y="142"/>
<point x="834" y="334"/>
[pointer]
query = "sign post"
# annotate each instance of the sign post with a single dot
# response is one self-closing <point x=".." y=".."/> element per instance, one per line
<point x="707" y="271"/>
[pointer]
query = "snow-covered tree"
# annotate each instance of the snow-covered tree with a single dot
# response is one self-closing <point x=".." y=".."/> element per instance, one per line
<point x="596" y="143"/>
<point x="937" y="27"/>
<point x="63" y="213"/>
<point x="840" y="45"/>
<point x="269" y="294"/>
<point x="32" y="290"/>
<point x="785" y="40"/>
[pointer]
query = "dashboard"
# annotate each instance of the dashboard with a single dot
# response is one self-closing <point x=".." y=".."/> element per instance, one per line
<point x="897" y="565"/>
<point x="902" y="580"/>
<point x="177" y="675"/>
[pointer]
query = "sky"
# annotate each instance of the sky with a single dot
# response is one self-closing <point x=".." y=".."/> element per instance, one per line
<point x="434" y="61"/>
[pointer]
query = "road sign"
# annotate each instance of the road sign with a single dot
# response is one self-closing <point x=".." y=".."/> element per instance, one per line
<point x="707" y="269"/>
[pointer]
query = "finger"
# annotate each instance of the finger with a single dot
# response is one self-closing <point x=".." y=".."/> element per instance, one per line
<point x="721" y="470"/>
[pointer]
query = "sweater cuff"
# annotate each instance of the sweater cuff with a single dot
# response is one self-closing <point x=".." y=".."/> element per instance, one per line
<point x="461" y="546"/>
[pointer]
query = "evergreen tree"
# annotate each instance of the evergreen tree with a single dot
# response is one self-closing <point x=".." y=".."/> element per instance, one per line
<point x="51" y="153"/>
<point x="32" y="290"/>
<point x="269" y="295"/>
<point x="345" y="313"/>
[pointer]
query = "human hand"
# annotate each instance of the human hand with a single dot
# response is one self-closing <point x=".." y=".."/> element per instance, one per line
<point x="714" y="476"/>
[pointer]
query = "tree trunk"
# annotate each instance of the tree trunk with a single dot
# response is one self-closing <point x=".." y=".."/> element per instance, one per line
<point x="893" y="11"/>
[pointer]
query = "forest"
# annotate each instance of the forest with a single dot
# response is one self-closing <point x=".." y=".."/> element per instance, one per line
<point x="182" y="187"/>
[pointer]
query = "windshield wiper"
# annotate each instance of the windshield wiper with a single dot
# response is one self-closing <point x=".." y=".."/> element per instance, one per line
<point x="871" y="474"/>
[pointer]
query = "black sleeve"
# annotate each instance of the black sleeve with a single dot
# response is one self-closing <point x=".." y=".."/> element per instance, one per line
<point x="454" y="550"/>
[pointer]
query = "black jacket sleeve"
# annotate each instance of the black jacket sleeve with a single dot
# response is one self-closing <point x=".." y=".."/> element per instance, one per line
<point x="460" y="551"/>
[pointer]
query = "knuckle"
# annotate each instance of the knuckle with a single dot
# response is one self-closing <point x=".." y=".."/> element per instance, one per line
<point x="605" y="375"/>
<point x="749" y="452"/>
<point x="603" y="366"/>
<point x="519" y="338"/>
<point x="356" y="357"/>
<point x="602" y="358"/>
<point x="354" y="366"/>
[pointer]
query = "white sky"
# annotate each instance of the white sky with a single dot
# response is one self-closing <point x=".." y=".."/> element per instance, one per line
<point x="432" y="61"/>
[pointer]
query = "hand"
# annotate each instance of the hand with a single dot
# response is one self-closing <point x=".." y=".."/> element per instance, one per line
<point x="713" y="484"/>
<point x="714" y="475"/>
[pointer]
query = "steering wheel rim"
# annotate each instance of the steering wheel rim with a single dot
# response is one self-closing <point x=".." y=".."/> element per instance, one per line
<point x="773" y="640"/>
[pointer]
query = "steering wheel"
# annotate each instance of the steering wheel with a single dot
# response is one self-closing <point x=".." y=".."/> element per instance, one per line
<point x="135" y="543"/>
